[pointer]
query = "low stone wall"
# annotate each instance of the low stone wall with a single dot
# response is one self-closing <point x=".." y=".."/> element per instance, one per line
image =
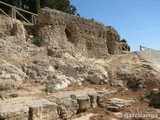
<point x="42" y="109"/>
<point x="76" y="34"/>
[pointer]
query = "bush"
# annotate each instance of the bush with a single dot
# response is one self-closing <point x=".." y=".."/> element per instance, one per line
<point x="49" y="89"/>
<point x="37" y="40"/>
<point x="14" y="95"/>
<point x="124" y="40"/>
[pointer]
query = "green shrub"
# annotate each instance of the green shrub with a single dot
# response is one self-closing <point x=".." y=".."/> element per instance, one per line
<point x="13" y="95"/>
<point x="37" y="40"/>
<point x="49" y="89"/>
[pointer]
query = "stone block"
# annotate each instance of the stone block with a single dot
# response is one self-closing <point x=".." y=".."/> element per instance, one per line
<point x="116" y="104"/>
<point x="14" y="112"/>
<point x="93" y="99"/>
<point x="84" y="103"/>
<point x="68" y="106"/>
<point x="43" y="110"/>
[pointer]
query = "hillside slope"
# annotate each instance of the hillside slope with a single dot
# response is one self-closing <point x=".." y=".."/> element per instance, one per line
<point x="48" y="83"/>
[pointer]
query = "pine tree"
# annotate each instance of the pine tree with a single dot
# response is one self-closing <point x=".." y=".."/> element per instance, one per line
<point x="34" y="5"/>
<point x="61" y="5"/>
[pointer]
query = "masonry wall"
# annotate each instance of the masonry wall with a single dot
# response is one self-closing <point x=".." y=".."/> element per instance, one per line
<point x="76" y="34"/>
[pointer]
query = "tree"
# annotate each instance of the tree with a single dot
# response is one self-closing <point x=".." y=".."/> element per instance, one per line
<point x="124" y="40"/>
<point x="38" y="6"/>
<point x="61" y="5"/>
<point x="72" y="9"/>
<point x="34" y="5"/>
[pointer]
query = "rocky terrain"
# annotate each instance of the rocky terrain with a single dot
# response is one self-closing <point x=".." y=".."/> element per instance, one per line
<point x="70" y="68"/>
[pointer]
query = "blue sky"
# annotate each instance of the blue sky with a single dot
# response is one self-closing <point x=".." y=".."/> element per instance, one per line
<point x="138" y="21"/>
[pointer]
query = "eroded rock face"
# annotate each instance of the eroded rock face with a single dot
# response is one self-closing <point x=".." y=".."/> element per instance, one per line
<point x="10" y="76"/>
<point x="11" y="27"/>
<point x="76" y="34"/>
<point x="41" y="71"/>
<point x="8" y="71"/>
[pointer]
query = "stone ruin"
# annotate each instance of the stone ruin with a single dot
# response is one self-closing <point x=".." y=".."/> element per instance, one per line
<point x="75" y="34"/>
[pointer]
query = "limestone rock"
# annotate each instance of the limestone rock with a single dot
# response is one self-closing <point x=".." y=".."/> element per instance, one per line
<point x="43" y="110"/>
<point x="54" y="51"/>
<point x="96" y="80"/>
<point x="68" y="106"/>
<point x="84" y="103"/>
<point x="10" y="76"/>
<point x="118" y="83"/>
<point x="93" y="99"/>
<point x="12" y="112"/>
<point x="68" y="71"/>
<point x="18" y="29"/>
<point x="38" y="70"/>
<point x="155" y="91"/>
<point x="8" y="71"/>
<point x="41" y="71"/>
<point x="11" y="27"/>
<point x="75" y="34"/>
<point x="116" y="104"/>
<point x="8" y="84"/>
<point x="61" y="82"/>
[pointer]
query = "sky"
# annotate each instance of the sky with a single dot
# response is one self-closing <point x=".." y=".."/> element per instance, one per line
<point x="137" y="21"/>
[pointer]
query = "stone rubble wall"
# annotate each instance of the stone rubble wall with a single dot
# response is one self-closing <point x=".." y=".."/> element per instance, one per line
<point x="61" y="107"/>
<point x="76" y="34"/>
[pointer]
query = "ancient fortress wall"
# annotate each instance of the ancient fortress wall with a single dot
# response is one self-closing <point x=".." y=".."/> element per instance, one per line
<point x="76" y="34"/>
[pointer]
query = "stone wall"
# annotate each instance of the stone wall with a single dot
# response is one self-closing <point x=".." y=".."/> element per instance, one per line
<point x="76" y="34"/>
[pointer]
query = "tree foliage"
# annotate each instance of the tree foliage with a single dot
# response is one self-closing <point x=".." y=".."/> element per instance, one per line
<point x="34" y="5"/>
<point x="125" y="45"/>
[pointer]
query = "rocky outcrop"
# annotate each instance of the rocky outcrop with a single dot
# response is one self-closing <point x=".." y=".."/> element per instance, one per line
<point x="42" y="72"/>
<point x="116" y="104"/>
<point x="76" y="34"/>
<point x="41" y="109"/>
<point x="10" y="27"/>
<point x="68" y="106"/>
<point x="10" y="76"/>
<point x="31" y="76"/>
